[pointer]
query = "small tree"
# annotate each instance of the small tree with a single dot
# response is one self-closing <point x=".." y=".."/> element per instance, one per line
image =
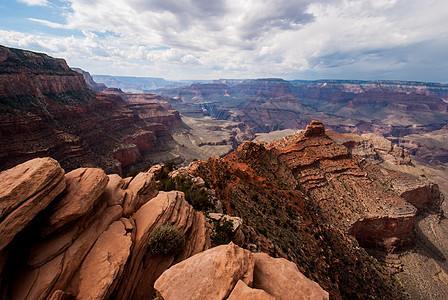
<point x="166" y="239"/>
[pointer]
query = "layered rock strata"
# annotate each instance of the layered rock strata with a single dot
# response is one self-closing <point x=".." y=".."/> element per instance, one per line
<point x="47" y="109"/>
<point x="400" y="173"/>
<point x="390" y="108"/>
<point x="337" y="182"/>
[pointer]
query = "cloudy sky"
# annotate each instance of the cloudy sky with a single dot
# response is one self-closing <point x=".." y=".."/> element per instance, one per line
<point x="211" y="39"/>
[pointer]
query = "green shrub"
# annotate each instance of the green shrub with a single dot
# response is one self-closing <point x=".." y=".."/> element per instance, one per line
<point x="196" y="196"/>
<point x="223" y="233"/>
<point x="166" y="240"/>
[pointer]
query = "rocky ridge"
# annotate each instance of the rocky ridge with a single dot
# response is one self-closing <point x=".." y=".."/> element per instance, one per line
<point x="313" y="192"/>
<point x="86" y="235"/>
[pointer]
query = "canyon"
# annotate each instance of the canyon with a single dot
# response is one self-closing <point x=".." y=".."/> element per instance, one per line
<point x="292" y="190"/>
<point x="47" y="109"/>
<point x="394" y="109"/>
<point x="350" y="206"/>
<point x="305" y="204"/>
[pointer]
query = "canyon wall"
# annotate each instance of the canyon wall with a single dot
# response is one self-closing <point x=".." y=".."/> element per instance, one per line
<point x="47" y="109"/>
<point x="306" y="198"/>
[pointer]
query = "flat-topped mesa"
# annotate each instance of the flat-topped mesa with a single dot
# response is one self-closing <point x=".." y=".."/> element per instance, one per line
<point x="315" y="128"/>
<point x="26" y="73"/>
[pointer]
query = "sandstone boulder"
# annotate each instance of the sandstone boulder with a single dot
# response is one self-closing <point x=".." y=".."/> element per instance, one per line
<point x="139" y="191"/>
<point x="84" y="186"/>
<point x="242" y="292"/>
<point x="55" y="268"/>
<point x="26" y="190"/>
<point x="211" y="274"/>
<point x="282" y="279"/>
<point x="98" y="274"/>
<point x="230" y="272"/>
<point x="114" y="193"/>
<point x="81" y="246"/>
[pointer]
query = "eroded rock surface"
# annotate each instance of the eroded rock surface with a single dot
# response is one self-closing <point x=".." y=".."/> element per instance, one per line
<point x="143" y="268"/>
<point x="26" y="190"/>
<point x="230" y="271"/>
<point x="48" y="110"/>
<point x="84" y="187"/>
<point x="89" y="239"/>
<point x="283" y="280"/>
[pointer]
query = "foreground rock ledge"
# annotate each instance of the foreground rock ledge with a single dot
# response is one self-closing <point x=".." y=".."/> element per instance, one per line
<point x="27" y="189"/>
<point x="229" y="270"/>
<point x="84" y="235"/>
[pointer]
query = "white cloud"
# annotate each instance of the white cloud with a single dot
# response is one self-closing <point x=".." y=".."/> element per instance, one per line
<point x="251" y="38"/>
<point x="34" y="2"/>
<point x="48" y="23"/>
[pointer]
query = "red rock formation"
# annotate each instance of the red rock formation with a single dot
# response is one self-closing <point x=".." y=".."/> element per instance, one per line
<point x="143" y="268"/>
<point x="127" y="155"/>
<point x="26" y="73"/>
<point x="389" y="108"/>
<point x="91" y="241"/>
<point x="415" y="189"/>
<point x="308" y="179"/>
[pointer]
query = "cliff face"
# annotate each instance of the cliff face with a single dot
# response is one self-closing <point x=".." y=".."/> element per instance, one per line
<point x="25" y="73"/>
<point x="48" y="110"/>
<point x="99" y="87"/>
